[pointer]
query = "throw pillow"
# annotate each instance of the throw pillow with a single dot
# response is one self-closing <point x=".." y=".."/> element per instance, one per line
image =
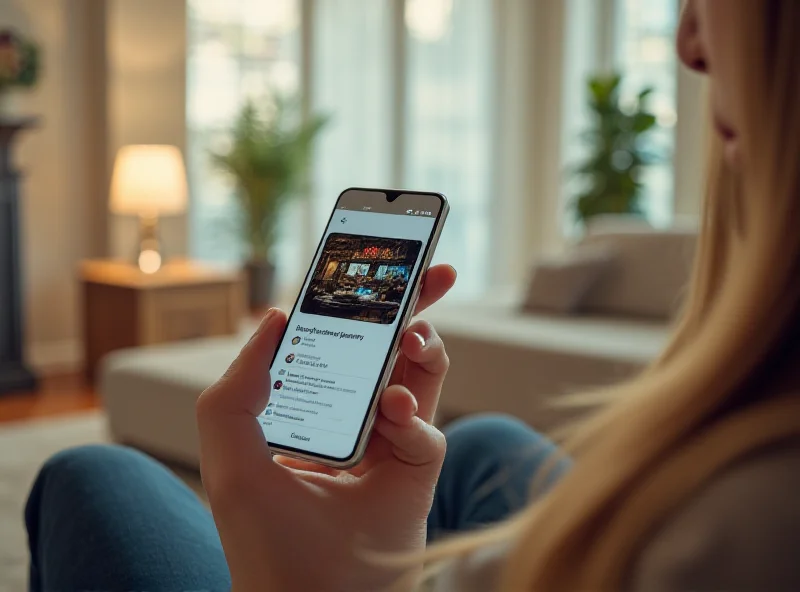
<point x="559" y="285"/>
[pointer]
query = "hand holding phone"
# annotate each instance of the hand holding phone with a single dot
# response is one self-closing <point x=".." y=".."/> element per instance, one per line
<point x="344" y="331"/>
<point x="276" y="521"/>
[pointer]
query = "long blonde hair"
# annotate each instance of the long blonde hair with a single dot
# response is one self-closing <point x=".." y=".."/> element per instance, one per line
<point x="739" y="317"/>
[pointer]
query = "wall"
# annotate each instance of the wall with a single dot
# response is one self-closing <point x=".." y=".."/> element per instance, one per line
<point x="146" y="97"/>
<point x="691" y="144"/>
<point x="113" y="74"/>
<point x="59" y="222"/>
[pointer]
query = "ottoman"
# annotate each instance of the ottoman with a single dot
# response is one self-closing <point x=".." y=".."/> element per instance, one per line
<point x="149" y="393"/>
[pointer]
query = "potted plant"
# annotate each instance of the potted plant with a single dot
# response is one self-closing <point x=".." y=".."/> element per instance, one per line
<point x="19" y="66"/>
<point x="268" y="156"/>
<point x="610" y="174"/>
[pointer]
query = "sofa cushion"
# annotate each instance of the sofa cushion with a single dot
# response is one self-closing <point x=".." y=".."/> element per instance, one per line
<point x="560" y="284"/>
<point x="648" y="275"/>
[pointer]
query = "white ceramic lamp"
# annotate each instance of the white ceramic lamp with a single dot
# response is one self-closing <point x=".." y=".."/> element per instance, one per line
<point x="148" y="181"/>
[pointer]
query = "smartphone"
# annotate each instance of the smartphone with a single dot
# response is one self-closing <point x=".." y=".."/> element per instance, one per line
<point x="343" y="335"/>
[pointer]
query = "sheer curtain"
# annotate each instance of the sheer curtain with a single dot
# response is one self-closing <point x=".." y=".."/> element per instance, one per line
<point x="352" y="82"/>
<point x="581" y="61"/>
<point x="449" y="110"/>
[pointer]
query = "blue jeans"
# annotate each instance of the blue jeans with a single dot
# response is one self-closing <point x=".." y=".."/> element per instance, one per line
<point x="112" y="518"/>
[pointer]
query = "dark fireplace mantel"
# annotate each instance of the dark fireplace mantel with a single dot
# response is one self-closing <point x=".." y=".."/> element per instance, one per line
<point x="14" y="374"/>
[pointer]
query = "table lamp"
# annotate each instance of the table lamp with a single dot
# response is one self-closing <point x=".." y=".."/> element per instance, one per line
<point x="148" y="181"/>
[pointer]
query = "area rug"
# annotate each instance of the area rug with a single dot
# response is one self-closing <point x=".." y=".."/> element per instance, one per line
<point x="24" y="446"/>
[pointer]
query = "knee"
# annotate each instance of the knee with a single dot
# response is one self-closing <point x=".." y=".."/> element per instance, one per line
<point x="69" y="472"/>
<point x="491" y="434"/>
<point x="485" y="444"/>
<point x="91" y="459"/>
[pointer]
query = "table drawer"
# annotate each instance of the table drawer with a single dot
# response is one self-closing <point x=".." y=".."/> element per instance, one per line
<point x="187" y="313"/>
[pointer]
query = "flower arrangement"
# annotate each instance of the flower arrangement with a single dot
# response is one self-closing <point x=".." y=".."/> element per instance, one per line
<point x="19" y="61"/>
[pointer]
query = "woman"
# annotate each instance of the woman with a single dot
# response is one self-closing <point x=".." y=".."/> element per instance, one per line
<point x="688" y="479"/>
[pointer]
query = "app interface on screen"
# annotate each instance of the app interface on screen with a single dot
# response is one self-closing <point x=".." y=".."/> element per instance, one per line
<point x="330" y="360"/>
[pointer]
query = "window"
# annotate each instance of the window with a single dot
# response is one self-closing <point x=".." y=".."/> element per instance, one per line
<point x="449" y="120"/>
<point x="638" y="40"/>
<point x="238" y="50"/>
<point x="645" y="53"/>
<point x="421" y="120"/>
<point x="412" y="88"/>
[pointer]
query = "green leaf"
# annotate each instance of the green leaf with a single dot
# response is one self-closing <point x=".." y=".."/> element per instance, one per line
<point x="269" y="155"/>
<point x="644" y="93"/>
<point x="617" y="143"/>
<point x="643" y="122"/>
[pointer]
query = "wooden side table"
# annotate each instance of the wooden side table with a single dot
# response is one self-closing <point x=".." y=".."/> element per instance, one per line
<point x="124" y="307"/>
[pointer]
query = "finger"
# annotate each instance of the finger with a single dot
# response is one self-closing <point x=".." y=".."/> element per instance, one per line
<point x="245" y="386"/>
<point x="437" y="282"/>
<point x="399" y="368"/>
<point x="398" y="405"/>
<point x="232" y="443"/>
<point x="425" y="367"/>
<point x="415" y="442"/>
<point x="304" y="465"/>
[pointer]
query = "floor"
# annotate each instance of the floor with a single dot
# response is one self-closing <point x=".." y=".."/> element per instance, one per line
<point x="32" y="443"/>
<point x="57" y="395"/>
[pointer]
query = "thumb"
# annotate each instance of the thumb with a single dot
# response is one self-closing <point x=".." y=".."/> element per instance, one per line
<point x="245" y="386"/>
<point x="231" y="439"/>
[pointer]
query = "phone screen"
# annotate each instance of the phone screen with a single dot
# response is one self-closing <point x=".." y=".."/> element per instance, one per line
<point x="340" y="333"/>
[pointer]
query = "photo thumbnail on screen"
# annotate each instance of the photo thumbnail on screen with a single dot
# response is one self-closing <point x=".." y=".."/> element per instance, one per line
<point x="361" y="278"/>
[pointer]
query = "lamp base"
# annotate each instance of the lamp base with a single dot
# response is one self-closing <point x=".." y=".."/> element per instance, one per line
<point x="149" y="257"/>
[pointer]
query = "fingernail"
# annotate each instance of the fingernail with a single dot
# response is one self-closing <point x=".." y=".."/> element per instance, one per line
<point x="266" y="318"/>
<point x="420" y="338"/>
<point x="416" y="405"/>
<point x="455" y="272"/>
<point x="264" y="322"/>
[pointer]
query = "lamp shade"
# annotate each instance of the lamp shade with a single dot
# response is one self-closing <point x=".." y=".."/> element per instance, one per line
<point x="148" y="180"/>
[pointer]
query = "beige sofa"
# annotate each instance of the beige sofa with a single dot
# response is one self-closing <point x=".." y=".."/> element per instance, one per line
<point x="501" y="359"/>
<point x="507" y="361"/>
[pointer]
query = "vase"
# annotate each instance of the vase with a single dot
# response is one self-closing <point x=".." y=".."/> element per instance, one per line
<point x="261" y="283"/>
<point x="9" y="104"/>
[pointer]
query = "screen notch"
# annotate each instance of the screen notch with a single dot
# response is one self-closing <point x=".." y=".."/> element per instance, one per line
<point x="392" y="201"/>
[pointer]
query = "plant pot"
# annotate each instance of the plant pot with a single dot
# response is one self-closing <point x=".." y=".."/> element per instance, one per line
<point x="604" y="223"/>
<point x="261" y="283"/>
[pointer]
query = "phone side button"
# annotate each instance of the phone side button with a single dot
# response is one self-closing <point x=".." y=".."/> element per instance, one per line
<point x="394" y="361"/>
<point x="414" y="300"/>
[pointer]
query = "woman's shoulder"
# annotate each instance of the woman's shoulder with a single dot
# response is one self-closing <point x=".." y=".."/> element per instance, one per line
<point x="741" y="531"/>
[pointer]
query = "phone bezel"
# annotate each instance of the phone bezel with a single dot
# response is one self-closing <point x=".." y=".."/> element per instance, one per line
<point x="359" y="447"/>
